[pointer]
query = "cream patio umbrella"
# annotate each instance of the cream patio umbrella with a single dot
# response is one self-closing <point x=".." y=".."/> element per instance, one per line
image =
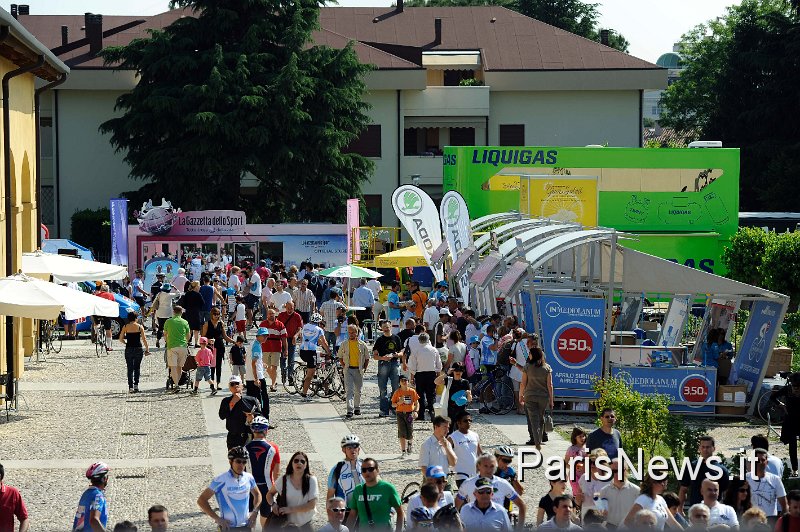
<point x="65" y="269"/>
<point x="28" y="297"/>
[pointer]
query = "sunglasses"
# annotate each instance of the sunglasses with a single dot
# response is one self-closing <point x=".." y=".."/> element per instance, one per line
<point x="351" y="447"/>
<point x="299" y="461"/>
<point x="505" y="460"/>
<point x="488" y="490"/>
<point x="440" y="481"/>
<point x="239" y="461"/>
<point x="610" y="417"/>
<point x="368" y="469"/>
<point x="338" y="510"/>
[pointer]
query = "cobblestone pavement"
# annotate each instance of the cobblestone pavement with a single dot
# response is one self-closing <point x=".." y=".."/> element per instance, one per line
<point x="75" y="409"/>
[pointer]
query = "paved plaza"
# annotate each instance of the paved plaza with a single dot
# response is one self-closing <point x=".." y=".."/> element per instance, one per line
<point x="75" y="409"/>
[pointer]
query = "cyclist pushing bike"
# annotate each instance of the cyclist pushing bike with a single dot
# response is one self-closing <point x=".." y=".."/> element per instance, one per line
<point x="312" y="335"/>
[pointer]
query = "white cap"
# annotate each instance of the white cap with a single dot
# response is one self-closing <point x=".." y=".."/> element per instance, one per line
<point x="235" y="379"/>
<point x="445" y="312"/>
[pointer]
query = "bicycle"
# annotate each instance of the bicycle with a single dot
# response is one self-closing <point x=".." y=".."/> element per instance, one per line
<point x="329" y="379"/>
<point x="49" y="339"/>
<point x="495" y="394"/>
<point x="773" y="411"/>
<point x="102" y="344"/>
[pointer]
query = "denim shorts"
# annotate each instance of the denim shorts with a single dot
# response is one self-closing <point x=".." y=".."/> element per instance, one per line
<point x="202" y="372"/>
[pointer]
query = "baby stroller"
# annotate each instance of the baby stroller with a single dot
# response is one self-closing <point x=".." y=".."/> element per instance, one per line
<point x="186" y="375"/>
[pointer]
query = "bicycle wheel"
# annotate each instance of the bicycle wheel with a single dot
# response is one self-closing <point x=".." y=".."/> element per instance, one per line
<point x="288" y="382"/>
<point x="769" y="411"/>
<point x="55" y="339"/>
<point x="325" y="386"/>
<point x="299" y="378"/>
<point x="411" y="489"/>
<point x="99" y="346"/>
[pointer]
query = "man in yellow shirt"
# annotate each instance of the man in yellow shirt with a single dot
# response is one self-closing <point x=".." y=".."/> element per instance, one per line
<point x="354" y="354"/>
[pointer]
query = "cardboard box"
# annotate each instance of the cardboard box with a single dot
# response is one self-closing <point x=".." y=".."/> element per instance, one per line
<point x="732" y="394"/>
<point x="648" y="325"/>
<point x="781" y="360"/>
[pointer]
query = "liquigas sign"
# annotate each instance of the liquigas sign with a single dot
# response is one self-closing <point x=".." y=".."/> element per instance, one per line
<point x="420" y="218"/>
<point x="690" y="197"/>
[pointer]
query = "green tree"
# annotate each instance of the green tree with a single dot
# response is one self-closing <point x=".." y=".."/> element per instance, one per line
<point x="239" y="88"/>
<point x="739" y="85"/>
<point x="780" y="267"/>
<point x="744" y="256"/>
<point x="573" y="16"/>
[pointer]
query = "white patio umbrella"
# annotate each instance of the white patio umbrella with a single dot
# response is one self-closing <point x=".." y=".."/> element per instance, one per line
<point x="27" y="297"/>
<point x="67" y="269"/>
<point x="350" y="271"/>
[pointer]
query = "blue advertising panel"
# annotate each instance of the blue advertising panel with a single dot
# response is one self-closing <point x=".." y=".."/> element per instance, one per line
<point x="754" y="348"/>
<point x="158" y="265"/>
<point x="527" y="311"/>
<point x="572" y="337"/>
<point x="696" y="384"/>
<point x="119" y="231"/>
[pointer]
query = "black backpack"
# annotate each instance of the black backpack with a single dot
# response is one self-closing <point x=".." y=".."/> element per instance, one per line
<point x="505" y="354"/>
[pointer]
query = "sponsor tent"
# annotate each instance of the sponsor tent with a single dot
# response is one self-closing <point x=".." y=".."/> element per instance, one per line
<point x="407" y="257"/>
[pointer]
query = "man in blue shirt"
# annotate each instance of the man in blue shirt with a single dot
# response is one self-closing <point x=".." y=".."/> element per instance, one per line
<point x="483" y="513"/>
<point x="394" y="310"/>
<point x="207" y="291"/>
<point x="233" y="490"/>
<point x="92" y="513"/>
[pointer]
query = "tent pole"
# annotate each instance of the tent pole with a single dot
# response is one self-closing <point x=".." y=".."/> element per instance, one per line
<point x="610" y="303"/>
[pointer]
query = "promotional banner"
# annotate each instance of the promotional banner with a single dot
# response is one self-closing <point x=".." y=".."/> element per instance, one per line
<point x="119" y="231"/>
<point x="454" y="216"/>
<point x="682" y="204"/>
<point x="679" y="384"/>
<point x="672" y="328"/>
<point x="417" y="212"/>
<point x="165" y="219"/>
<point x="527" y="311"/>
<point x="563" y="198"/>
<point x="572" y="337"/>
<point x="158" y="265"/>
<point x="754" y="349"/>
<point x="353" y="236"/>
<point x="719" y="314"/>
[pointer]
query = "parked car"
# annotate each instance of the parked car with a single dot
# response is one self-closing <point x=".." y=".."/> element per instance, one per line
<point x="125" y="305"/>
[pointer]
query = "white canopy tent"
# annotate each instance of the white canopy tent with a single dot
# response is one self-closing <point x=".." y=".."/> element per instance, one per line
<point x="27" y="297"/>
<point x="66" y="269"/>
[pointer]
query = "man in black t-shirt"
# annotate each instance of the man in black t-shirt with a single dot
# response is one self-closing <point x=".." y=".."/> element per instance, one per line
<point x="457" y="384"/>
<point x="388" y="350"/>
<point x="706" y="450"/>
<point x="606" y="437"/>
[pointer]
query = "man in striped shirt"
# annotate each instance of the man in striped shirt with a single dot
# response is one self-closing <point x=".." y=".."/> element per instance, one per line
<point x="304" y="300"/>
<point x="330" y="312"/>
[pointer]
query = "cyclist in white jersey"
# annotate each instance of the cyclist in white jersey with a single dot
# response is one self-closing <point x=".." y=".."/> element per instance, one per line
<point x="346" y="475"/>
<point x="487" y="466"/>
<point x="233" y="490"/>
<point x="311" y="335"/>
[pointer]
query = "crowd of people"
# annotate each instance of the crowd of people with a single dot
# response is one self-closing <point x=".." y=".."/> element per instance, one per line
<point x="430" y="353"/>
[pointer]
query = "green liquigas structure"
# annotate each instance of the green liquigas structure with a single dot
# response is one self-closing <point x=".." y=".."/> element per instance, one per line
<point x="682" y="204"/>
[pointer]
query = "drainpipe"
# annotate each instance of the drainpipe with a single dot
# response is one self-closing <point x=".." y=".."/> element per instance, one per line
<point x="36" y="94"/>
<point x="8" y="206"/>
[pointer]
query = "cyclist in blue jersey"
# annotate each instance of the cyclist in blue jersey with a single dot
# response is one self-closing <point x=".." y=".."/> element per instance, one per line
<point x="233" y="490"/>
<point x="310" y="336"/>
<point x="92" y="513"/>
<point x="505" y="454"/>
<point x="346" y="475"/>
<point x="394" y="309"/>
<point x="265" y="460"/>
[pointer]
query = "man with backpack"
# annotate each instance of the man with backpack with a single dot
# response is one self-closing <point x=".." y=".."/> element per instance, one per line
<point x="346" y="475"/>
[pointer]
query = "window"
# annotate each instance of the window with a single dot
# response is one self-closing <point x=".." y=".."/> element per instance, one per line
<point x="374" y="206"/>
<point x="452" y="78"/>
<point x="512" y="134"/>
<point x="368" y="143"/>
<point x="422" y="141"/>
<point x="462" y="136"/>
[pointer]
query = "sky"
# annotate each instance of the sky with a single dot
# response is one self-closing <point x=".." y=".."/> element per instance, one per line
<point x="651" y="26"/>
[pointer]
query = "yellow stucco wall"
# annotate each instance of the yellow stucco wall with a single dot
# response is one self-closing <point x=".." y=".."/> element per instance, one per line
<point x="23" y="199"/>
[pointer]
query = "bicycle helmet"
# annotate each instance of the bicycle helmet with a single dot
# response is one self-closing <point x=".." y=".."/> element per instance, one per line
<point x="421" y="514"/>
<point x="446" y="516"/>
<point x="97" y="470"/>
<point x="260" y="424"/>
<point x="351" y="439"/>
<point x="238" y="452"/>
<point x="316" y="318"/>
<point x="166" y="287"/>
<point x="504" y="450"/>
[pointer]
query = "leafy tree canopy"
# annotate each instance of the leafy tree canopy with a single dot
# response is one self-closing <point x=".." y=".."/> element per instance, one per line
<point x="740" y="86"/>
<point x="238" y="88"/>
<point x="573" y="16"/>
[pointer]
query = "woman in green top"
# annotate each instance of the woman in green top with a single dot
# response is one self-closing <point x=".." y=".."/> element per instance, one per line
<point x="373" y="500"/>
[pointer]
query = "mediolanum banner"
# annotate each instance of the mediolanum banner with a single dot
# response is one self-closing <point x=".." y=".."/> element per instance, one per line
<point x="417" y="212"/>
<point x="454" y="215"/>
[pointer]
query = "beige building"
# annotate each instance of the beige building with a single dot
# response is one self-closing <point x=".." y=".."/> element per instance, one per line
<point x="444" y="76"/>
<point x="25" y="64"/>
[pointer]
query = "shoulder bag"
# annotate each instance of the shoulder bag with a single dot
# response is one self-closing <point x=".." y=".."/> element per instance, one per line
<point x="548" y="421"/>
<point x="275" y="520"/>
<point x="370" y="521"/>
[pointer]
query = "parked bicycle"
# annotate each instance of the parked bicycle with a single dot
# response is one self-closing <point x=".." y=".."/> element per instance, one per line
<point x="102" y="344"/>
<point x="496" y="395"/>
<point x="49" y="337"/>
<point x="770" y="411"/>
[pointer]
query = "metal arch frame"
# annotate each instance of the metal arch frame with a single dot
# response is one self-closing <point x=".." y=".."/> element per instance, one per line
<point x="479" y="224"/>
<point x="508" y="231"/>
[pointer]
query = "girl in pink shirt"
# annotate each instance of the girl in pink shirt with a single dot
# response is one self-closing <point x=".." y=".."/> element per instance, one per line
<point x="577" y="450"/>
<point x="205" y="361"/>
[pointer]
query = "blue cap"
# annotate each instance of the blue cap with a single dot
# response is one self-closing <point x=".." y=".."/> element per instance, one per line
<point x="474" y="339"/>
<point x="230" y="291"/>
<point x="459" y="398"/>
<point x="166" y="287"/>
<point x="435" y="471"/>
<point x="262" y="331"/>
